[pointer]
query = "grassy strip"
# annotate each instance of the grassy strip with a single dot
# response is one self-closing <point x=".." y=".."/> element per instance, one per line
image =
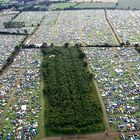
<point x="57" y="6"/>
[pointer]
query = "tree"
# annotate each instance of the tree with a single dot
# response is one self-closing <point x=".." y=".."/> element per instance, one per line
<point x="85" y="64"/>
<point x="116" y="4"/>
<point x="17" y="31"/>
<point x="66" y="45"/>
<point x="52" y="45"/>
<point x="122" y="44"/>
<point x="82" y="55"/>
<point x="25" y="31"/>
<point x="77" y="45"/>
<point x="137" y="47"/>
<point x="44" y="45"/>
<point x="127" y="42"/>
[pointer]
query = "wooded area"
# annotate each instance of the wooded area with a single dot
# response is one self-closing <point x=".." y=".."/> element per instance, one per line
<point x="71" y="104"/>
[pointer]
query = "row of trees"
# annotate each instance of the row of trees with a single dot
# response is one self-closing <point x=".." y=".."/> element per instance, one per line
<point x="70" y="108"/>
<point x="137" y="47"/>
<point x="10" y="59"/>
<point x="12" y="56"/>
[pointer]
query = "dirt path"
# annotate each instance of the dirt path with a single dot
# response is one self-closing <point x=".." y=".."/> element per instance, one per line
<point x="98" y="136"/>
<point x="80" y="28"/>
<point x="105" y="116"/>
<point x="54" y="26"/>
<point x="41" y="134"/>
<point x="3" y="117"/>
<point x="28" y="39"/>
<point x="113" y="29"/>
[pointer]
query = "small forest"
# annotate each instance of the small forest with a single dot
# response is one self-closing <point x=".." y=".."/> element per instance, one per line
<point x="71" y="102"/>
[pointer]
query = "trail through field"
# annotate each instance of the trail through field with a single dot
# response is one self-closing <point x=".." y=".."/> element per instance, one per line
<point x="98" y="136"/>
<point x="103" y="107"/>
<point x="113" y="29"/>
<point x="17" y="82"/>
<point x="42" y="112"/>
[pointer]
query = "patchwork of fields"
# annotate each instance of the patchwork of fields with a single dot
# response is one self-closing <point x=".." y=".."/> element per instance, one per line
<point x="87" y="27"/>
<point x="72" y="104"/>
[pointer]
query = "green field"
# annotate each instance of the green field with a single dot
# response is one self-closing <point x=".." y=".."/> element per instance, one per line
<point x="82" y="5"/>
<point x="4" y="1"/>
<point x="72" y="105"/>
<point x="95" y="5"/>
<point x="61" y="5"/>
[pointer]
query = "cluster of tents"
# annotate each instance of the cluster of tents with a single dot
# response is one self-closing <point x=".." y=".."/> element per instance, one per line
<point x="119" y="85"/>
<point x="88" y="27"/>
<point x="126" y="24"/>
<point x="23" y="87"/>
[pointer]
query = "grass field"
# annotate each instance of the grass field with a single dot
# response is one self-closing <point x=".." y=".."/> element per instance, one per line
<point x="4" y="1"/>
<point x="93" y="0"/>
<point x="82" y="5"/>
<point x="95" y="5"/>
<point x="61" y="5"/>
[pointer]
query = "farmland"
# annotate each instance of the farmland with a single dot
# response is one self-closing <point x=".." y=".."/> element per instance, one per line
<point x="72" y="105"/>
<point x="61" y="5"/>
<point x="4" y="1"/>
<point x="76" y="101"/>
<point x="95" y="5"/>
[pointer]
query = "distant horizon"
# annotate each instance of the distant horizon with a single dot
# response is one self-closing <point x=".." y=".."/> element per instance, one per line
<point x="105" y="0"/>
<point x="94" y="0"/>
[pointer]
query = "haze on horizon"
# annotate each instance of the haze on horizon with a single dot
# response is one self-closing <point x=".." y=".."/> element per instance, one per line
<point x="105" y="0"/>
<point x="94" y="0"/>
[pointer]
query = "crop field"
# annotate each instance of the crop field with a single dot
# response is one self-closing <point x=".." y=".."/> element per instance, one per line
<point x="72" y="106"/>
<point x="20" y="96"/>
<point x="71" y="91"/>
<point x="88" y="27"/>
<point x="61" y="5"/>
<point x="118" y="74"/>
<point x="95" y="5"/>
<point x="127" y="24"/>
<point x="93" y="1"/>
<point x="4" y="1"/>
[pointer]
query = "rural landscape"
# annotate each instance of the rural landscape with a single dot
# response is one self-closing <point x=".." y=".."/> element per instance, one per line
<point x="69" y="70"/>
